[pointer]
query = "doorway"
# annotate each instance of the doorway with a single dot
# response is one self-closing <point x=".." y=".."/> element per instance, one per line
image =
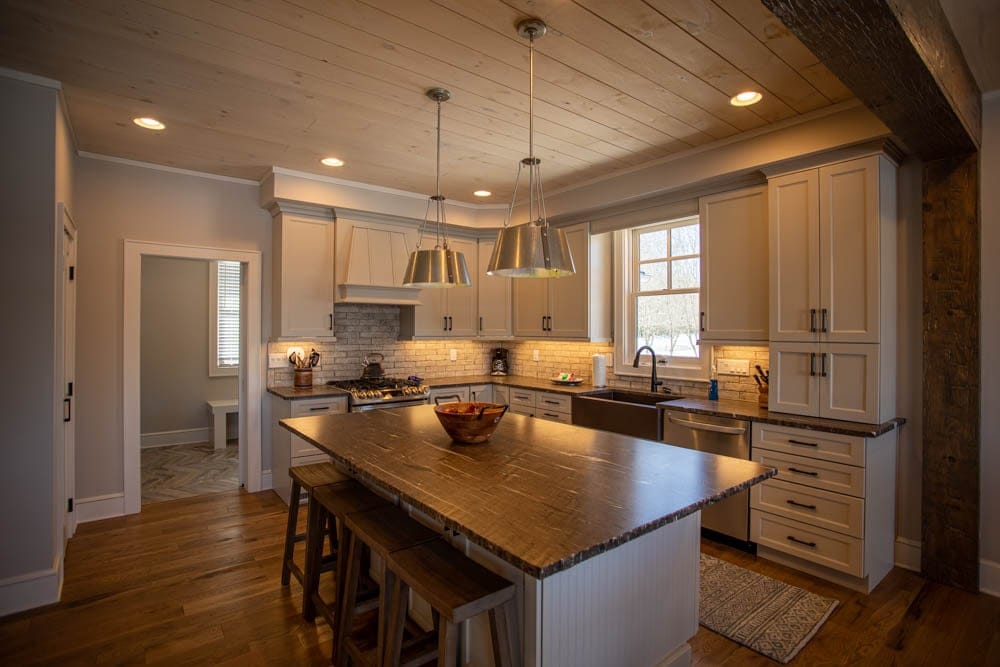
<point x="169" y="412"/>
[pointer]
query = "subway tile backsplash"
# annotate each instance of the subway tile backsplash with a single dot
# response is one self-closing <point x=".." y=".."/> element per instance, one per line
<point x="362" y="328"/>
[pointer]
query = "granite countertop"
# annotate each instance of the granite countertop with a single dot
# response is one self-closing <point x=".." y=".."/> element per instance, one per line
<point x="519" y="381"/>
<point x="541" y="495"/>
<point x="315" y="391"/>
<point x="752" y="411"/>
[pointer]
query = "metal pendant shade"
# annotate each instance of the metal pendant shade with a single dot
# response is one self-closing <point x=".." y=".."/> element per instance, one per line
<point x="436" y="268"/>
<point x="441" y="266"/>
<point x="532" y="249"/>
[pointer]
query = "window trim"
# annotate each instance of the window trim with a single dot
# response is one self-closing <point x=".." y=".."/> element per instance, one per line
<point x="625" y="273"/>
<point x="214" y="370"/>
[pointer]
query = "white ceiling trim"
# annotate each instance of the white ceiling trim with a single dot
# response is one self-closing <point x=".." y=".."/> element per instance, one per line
<point x="30" y="78"/>
<point x="163" y="167"/>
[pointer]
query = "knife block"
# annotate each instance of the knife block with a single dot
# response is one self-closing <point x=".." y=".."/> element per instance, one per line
<point x="762" y="397"/>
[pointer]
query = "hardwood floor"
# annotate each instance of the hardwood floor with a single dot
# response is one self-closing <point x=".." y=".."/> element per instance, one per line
<point x="196" y="581"/>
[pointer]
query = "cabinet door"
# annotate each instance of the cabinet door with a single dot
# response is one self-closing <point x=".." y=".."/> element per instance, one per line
<point x="734" y="267"/>
<point x="501" y="394"/>
<point x="430" y="315"/>
<point x="305" y="280"/>
<point x="448" y="394"/>
<point x="461" y="310"/>
<point x="569" y="297"/>
<point x="793" y="212"/>
<point x="482" y="393"/>
<point x="850" y="382"/>
<point x="849" y="243"/>
<point x="494" y="296"/>
<point x="531" y="306"/>
<point x="795" y="379"/>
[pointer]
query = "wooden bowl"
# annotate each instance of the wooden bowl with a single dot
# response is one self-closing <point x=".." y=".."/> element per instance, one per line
<point x="471" y="423"/>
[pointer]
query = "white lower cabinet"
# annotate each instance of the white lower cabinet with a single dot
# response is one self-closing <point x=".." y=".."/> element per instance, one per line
<point x="289" y="450"/>
<point x="448" y="395"/>
<point x="501" y="394"/>
<point x="830" y="510"/>
<point x="481" y="393"/>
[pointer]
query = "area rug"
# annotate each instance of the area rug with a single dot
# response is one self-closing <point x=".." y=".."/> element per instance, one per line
<point x="773" y="618"/>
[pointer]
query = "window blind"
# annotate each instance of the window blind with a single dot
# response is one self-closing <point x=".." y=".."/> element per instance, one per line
<point x="228" y="322"/>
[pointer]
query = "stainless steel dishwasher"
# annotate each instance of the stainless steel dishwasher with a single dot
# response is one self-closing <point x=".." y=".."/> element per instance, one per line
<point x="715" y="435"/>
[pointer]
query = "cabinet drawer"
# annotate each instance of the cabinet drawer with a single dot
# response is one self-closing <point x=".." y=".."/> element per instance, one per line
<point x="814" y="444"/>
<point x="522" y="397"/>
<point x="823" y="547"/>
<point x="553" y="402"/>
<point x="299" y="447"/>
<point x="823" y="509"/>
<point x="525" y="410"/>
<point x="814" y="472"/>
<point x="318" y="457"/>
<point x="545" y="413"/>
<point x="319" y="406"/>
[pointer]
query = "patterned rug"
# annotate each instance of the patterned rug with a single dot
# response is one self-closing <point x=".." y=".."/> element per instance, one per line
<point x="182" y="471"/>
<point x="773" y="618"/>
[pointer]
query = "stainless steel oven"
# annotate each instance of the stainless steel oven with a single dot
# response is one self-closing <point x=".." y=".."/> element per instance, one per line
<point x="379" y="393"/>
<point x="715" y="435"/>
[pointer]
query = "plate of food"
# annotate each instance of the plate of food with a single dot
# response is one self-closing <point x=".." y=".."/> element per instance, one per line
<point x="570" y="379"/>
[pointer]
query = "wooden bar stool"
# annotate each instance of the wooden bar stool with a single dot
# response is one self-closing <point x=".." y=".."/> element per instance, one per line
<point x="384" y="531"/>
<point x="328" y="506"/>
<point x="306" y="477"/>
<point x="457" y="588"/>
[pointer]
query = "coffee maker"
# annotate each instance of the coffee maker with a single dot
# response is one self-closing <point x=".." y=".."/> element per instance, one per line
<point x="499" y="365"/>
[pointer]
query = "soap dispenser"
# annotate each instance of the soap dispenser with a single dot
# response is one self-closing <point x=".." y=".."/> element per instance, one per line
<point x="713" y="385"/>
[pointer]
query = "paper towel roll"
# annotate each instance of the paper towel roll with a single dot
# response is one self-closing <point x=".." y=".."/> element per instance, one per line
<point x="600" y="375"/>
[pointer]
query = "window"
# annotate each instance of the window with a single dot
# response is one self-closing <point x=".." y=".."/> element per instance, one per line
<point x="658" y="302"/>
<point x="224" y="319"/>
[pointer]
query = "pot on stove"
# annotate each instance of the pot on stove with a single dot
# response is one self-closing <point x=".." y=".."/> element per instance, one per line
<point x="373" y="365"/>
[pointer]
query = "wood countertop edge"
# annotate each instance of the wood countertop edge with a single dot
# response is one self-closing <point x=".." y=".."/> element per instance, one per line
<point x="534" y="570"/>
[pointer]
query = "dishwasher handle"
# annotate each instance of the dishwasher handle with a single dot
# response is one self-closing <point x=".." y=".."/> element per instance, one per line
<point x="701" y="426"/>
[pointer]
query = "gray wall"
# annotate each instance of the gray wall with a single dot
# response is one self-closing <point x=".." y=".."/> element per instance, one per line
<point x="174" y="347"/>
<point x="116" y="202"/>
<point x="990" y="457"/>
<point x="27" y="272"/>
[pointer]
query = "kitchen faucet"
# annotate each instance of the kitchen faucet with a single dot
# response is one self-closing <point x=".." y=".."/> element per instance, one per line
<point x="653" y="382"/>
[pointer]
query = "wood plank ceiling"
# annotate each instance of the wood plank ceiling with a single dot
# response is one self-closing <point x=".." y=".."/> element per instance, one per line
<point x="246" y="84"/>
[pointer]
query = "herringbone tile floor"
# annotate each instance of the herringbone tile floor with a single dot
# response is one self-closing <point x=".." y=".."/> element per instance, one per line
<point x="183" y="471"/>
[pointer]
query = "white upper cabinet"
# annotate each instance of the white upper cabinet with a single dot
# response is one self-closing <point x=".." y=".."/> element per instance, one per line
<point x="734" y="266"/>
<point x="493" y="296"/>
<point x="832" y="250"/>
<point x="576" y="306"/>
<point x="303" y="277"/>
<point x="445" y="312"/>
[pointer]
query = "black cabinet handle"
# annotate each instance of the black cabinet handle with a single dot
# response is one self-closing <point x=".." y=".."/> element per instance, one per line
<point x="812" y="320"/>
<point x="549" y="414"/>
<point x="811" y="473"/>
<point x="802" y="542"/>
<point x="822" y="321"/>
<point x="320" y="408"/>
<point x="812" y="364"/>
<point x="802" y="442"/>
<point x="331" y="321"/>
<point x="702" y="320"/>
<point x="445" y="318"/>
<point x="822" y="361"/>
<point x="68" y="412"/>
<point x="543" y="323"/>
<point x="802" y="505"/>
<point x="480" y="322"/>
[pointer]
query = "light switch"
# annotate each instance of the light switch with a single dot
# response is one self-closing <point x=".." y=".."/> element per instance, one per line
<point x="453" y="354"/>
<point x="534" y="355"/>
<point x="277" y="360"/>
<point x="732" y="366"/>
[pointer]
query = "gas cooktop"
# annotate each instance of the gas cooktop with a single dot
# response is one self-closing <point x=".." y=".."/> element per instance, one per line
<point x="383" y="390"/>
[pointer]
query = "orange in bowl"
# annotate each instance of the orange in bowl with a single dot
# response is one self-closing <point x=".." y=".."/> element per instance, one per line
<point x="471" y="423"/>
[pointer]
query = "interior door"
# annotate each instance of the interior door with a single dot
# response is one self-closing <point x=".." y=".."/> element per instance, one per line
<point x="69" y="370"/>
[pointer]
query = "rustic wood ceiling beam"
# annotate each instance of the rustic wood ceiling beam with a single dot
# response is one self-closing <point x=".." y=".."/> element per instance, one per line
<point x="902" y="60"/>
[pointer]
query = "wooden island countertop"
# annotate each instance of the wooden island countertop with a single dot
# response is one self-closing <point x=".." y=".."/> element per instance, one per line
<point x="540" y="495"/>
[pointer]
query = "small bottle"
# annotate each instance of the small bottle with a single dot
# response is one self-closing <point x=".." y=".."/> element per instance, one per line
<point x="713" y="384"/>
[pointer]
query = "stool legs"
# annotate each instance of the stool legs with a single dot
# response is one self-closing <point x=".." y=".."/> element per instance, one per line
<point x="349" y="572"/>
<point x="392" y="622"/>
<point x="293" y="518"/>
<point x="503" y="631"/>
<point x="447" y="644"/>
<point x="317" y="520"/>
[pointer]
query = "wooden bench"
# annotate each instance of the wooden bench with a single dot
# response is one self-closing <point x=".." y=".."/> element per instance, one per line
<point x="221" y="408"/>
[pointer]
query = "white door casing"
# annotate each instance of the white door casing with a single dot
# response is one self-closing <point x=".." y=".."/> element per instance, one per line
<point x="251" y="367"/>
<point x="68" y="271"/>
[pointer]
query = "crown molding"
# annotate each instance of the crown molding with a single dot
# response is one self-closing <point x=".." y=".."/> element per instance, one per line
<point x="18" y="75"/>
<point x="163" y="167"/>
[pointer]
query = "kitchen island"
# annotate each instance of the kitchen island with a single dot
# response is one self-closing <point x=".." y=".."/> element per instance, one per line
<point x="599" y="532"/>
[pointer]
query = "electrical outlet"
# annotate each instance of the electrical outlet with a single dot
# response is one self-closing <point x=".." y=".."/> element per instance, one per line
<point x="453" y="354"/>
<point x="534" y="355"/>
<point x="732" y="366"/>
<point x="277" y="360"/>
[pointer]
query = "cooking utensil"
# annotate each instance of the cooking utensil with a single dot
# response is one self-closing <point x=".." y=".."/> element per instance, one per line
<point x="373" y="365"/>
<point x="314" y="359"/>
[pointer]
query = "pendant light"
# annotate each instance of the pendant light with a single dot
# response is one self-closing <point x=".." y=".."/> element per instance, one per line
<point x="531" y="249"/>
<point x="442" y="266"/>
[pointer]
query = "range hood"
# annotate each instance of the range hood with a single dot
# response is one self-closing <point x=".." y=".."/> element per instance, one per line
<point x="376" y="259"/>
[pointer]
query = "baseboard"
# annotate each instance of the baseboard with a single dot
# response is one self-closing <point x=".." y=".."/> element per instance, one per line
<point x="181" y="437"/>
<point x="989" y="577"/>
<point x="96" y="508"/>
<point x="907" y="554"/>
<point x="34" y="589"/>
<point x="265" y="480"/>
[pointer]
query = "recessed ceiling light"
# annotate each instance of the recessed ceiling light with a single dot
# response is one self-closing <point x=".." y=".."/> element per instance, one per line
<point x="332" y="162"/>
<point x="746" y="98"/>
<point x="482" y="193"/>
<point x="149" y="123"/>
